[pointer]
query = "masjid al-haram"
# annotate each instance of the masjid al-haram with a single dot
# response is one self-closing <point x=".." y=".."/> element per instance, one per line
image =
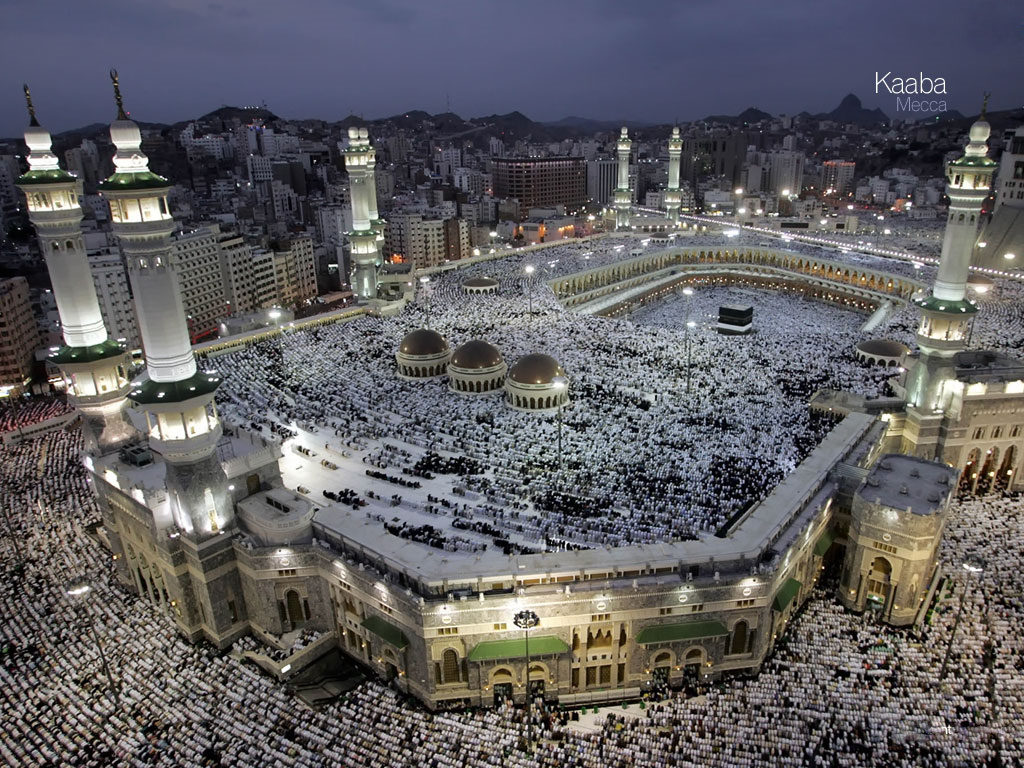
<point x="675" y="491"/>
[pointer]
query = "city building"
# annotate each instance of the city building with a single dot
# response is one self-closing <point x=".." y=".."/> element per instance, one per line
<point x="19" y="336"/>
<point x="541" y="181"/>
<point x="837" y="176"/>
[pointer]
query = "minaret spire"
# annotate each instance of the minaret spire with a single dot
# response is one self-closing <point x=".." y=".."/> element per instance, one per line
<point x="121" y="114"/>
<point x="31" y="109"/>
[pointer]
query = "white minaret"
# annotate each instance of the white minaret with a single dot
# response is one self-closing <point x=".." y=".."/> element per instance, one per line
<point x="176" y="398"/>
<point x="622" y="193"/>
<point x="672" y="196"/>
<point x="968" y="181"/>
<point x="946" y="312"/>
<point x="94" y="367"/>
<point x="376" y="222"/>
<point x="359" y="162"/>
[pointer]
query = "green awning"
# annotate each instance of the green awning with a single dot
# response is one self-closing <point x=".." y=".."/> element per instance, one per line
<point x="691" y="630"/>
<point x="824" y="543"/>
<point x="785" y="595"/>
<point x="387" y="632"/>
<point x="542" y="645"/>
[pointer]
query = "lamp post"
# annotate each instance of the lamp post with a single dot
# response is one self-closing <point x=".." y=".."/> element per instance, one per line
<point x="688" y="292"/>
<point x="79" y="591"/>
<point x="973" y="563"/>
<point x="527" y="620"/>
<point x="528" y="269"/>
<point x="559" y="383"/>
<point x="426" y="297"/>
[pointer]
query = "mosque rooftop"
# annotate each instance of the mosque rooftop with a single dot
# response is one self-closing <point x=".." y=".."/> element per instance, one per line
<point x="910" y="483"/>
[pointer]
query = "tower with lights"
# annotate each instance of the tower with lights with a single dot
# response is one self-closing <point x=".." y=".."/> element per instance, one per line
<point x="622" y="193"/>
<point x="175" y="397"/>
<point x="94" y="367"/>
<point x="359" y="162"/>
<point x="672" y="195"/>
<point x="946" y="312"/>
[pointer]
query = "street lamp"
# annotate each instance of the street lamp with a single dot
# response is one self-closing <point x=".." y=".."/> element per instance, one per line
<point x="559" y="383"/>
<point x="973" y="564"/>
<point x="79" y="591"/>
<point x="688" y="292"/>
<point x="426" y="296"/>
<point x="527" y="620"/>
<point x="529" y="269"/>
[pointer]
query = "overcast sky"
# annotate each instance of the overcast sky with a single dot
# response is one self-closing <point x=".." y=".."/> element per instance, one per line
<point x="652" y="60"/>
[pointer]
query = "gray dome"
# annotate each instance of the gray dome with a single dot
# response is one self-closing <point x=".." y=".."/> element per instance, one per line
<point x="535" y="369"/>
<point x="423" y="342"/>
<point x="476" y="354"/>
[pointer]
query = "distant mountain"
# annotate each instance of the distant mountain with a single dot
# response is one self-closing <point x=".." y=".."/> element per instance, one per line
<point x="748" y="115"/>
<point x="850" y="110"/>
<point x="228" y="114"/>
<point x="587" y="125"/>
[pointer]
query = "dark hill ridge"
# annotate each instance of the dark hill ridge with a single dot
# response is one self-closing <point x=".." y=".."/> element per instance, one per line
<point x="748" y="115"/>
<point x="850" y="110"/>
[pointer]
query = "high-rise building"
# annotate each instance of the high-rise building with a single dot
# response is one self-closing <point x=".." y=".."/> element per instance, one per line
<point x="787" y="171"/>
<point x="538" y="182"/>
<point x="1000" y="244"/>
<point x="715" y="154"/>
<point x="836" y="175"/>
<point x="111" y="283"/>
<point x="456" y="239"/>
<point x="202" y="284"/>
<point x="294" y="271"/>
<point x="19" y="335"/>
<point x="602" y="178"/>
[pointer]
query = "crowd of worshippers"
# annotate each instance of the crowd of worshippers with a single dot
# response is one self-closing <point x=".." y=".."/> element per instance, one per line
<point x="16" y="413"/>
<point x="839" y="690"/>
<point x="664" y="437"/>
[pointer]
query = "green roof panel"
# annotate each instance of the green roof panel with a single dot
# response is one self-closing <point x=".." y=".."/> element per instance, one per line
<point x="942" y="305"/>
<point x="385" y="631"/>
<point x="128" y="181"/>
<point x="670" y="633"/>
<point x="824" y="542"/>
<point x="149" y="391"/>
<point x="786" y="594"/>
<point x="65" y="355"/>
<point x="56" y="176"/>
<point x="542" y="645"/>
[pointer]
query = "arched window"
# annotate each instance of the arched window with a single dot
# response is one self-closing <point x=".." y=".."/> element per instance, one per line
<point x="450" y="667"/>
<point x="663" y="659"/>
